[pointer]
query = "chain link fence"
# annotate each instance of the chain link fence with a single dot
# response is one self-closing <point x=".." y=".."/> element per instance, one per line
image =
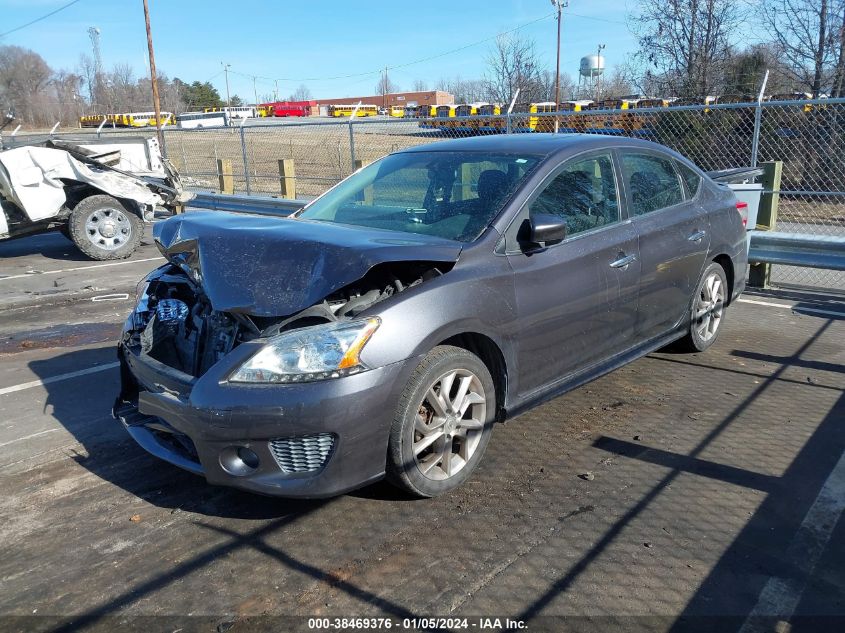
<point x="304" y="157"/>
<point x="807" y="136"/>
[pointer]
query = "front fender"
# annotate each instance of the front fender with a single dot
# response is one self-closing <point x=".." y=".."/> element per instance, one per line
<point x="461" y="301"/>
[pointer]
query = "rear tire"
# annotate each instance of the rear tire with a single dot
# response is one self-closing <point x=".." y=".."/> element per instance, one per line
<point x="707" y="315"/>
<point x="105" y="228"/>
<point x="443" y="423"/>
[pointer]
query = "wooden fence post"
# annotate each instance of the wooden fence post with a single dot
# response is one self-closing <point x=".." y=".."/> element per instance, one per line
<point x="224" y="175"/>
<point x="368" y="190"/>
<point x="287" y="178"/>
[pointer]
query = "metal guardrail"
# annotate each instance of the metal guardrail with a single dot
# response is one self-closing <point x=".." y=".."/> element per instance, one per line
<point x="797" y="249"/>
<point x="246" y="204"/>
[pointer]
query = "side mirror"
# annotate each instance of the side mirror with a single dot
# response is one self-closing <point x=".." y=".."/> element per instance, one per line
<point x="545" y="228"/>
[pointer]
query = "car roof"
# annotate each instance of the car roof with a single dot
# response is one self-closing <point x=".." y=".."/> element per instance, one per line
<point x="536" y="144"/>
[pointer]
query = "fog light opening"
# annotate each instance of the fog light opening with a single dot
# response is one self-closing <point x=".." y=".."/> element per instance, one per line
<point x="239" y="460"/>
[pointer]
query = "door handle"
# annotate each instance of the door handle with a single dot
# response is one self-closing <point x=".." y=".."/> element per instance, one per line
<point x="623" y="262"/>
<point x="697" y="236"/>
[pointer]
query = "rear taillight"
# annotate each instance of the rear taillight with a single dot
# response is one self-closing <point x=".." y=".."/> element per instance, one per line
<point x="742" y="209"/>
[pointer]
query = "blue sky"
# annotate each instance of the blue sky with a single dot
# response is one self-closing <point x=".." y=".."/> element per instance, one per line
<point x="309" y="42"/>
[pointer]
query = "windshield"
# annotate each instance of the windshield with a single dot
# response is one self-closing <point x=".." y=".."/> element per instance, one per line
<point x="454" y="195"/>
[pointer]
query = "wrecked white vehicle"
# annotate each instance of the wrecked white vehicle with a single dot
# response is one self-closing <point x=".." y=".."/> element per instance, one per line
<point x="99" y="193"/>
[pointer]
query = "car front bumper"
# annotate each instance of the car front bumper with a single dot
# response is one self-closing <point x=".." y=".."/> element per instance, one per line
<point x="309" y="440"/>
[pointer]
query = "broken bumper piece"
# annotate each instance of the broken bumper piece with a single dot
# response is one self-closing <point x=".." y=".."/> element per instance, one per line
<point x="308" y="440"/>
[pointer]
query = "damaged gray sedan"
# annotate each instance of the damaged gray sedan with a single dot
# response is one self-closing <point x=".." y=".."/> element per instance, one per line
<point x="383" y="329"/>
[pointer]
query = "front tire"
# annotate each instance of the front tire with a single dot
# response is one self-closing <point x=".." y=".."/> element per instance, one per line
<point x="708" y="310"/>
<point x="443" y="423"/>
<point x="105" y="228"/>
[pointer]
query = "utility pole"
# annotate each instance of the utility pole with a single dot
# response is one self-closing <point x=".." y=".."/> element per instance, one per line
<point x="599" y="72"/>
<point x="97" y="89"/>
<point x="276" y="90"/>
<point x="384" y="89"/>
<point x="225" y="72"/>
<point x="560" y="5"/>
<point x="153" y="78"/>
<point x="254" y="90"/>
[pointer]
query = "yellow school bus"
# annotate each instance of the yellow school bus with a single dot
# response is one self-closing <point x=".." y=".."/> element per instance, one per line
<point x="443" y="117"/>
<point x="794" y="96"/>
<point x="652" y="103"/>
<point x="529" y="123"/>
<point x="91" y="120"/>
<point x="463" y="124"/>
<point x="427" y="114"/>
<point x="688" y="101"/>
<point x="490" y="120"/>
<point x="347" y="110"/>
<point x="397" y="111"/>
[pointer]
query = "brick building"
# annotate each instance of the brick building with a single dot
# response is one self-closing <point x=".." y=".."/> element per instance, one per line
<point x="427" y="97"/>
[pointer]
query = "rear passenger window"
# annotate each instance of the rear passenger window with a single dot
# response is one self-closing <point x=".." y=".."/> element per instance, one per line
<point x="692" y="179"/>
<point x="653" y="182"/>
<point x="583" y="194"/>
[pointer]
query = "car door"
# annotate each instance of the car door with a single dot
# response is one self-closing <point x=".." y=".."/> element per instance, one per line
<point x="673" y="232"/>
<point x="576" y="299"/>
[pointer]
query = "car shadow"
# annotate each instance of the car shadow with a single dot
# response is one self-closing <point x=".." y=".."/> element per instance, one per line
<point x="52" y="245"/>
<point x="82" y="405"/>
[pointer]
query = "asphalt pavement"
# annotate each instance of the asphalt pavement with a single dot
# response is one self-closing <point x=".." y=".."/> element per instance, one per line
<point x="680" y="492"/>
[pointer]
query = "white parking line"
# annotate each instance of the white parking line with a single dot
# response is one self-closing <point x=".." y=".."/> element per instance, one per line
<point x="60" y="377"/>
<point x="29" y="437"/>
<point x="70" y="270"/>
<point x="795" y="308"/>
<point x="781" y="596"/>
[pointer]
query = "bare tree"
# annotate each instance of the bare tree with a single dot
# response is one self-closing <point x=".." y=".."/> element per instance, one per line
<point x="463" y="90"/>
<point x="385" y="85"/>
<point x="838" y="33"/>
<point x="88" y="72"/>
<point x="420" y="85"/>
<point x="684" y="43"/>
<point x="68" y="103"/>
<point x="616" y="84"/>
<point x="567" y="86"/>
<point x="800" y="29"/>
<point x="301" y="94"/>
<point x="24" y="80"/>
<point x="513" y="64"/>
<point x="745" y="70"/>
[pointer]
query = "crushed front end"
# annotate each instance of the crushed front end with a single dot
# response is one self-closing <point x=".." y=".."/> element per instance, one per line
<point x="187" y="396"/>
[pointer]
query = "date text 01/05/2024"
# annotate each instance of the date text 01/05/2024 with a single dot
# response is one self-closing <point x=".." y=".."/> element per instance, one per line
<point x="416" y="624"/>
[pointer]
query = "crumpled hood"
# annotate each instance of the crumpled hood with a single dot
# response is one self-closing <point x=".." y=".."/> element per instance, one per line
<point x="266" y="266"/>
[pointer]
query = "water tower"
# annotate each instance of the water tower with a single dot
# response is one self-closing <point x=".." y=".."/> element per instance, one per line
<point x="589" y="74"/>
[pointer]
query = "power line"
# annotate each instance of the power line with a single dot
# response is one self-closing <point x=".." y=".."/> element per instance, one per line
<point x="593" y="17"/>
<point x="405" y="65"/>
<point x="43" y="17"/>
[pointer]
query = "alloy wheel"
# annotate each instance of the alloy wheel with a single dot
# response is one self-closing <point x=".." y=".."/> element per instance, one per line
<point x="449" y="424"/>
<point x="709" y="307"/>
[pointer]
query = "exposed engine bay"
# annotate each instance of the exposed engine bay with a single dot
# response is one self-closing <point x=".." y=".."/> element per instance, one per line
<point x="176" y="324"/>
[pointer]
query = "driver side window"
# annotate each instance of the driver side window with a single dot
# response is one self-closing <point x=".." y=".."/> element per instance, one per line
<point x="583" y="194"/>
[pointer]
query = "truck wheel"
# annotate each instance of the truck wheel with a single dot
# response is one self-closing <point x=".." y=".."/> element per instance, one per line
<point x="103" y="227"/>
<point x="443" y="423"/>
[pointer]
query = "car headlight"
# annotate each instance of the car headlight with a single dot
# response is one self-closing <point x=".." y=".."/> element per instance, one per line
<point x="313" y="353"/>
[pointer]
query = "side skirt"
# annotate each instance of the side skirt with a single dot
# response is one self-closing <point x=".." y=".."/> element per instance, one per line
<point x="572" y="381"/>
